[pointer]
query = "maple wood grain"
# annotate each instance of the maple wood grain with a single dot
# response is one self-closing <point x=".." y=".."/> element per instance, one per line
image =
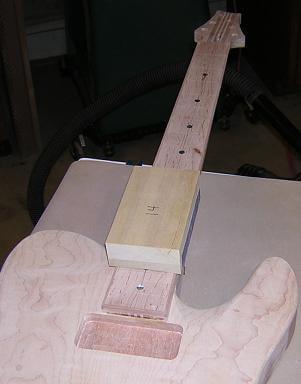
<point x="53" y="279"/>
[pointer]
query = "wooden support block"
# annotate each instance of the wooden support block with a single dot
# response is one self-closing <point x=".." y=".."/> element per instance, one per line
<point x="153" y="219"/>
<point x="129" y="336"/>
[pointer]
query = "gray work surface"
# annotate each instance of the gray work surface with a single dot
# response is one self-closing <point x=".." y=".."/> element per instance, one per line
<point x="240" y="222"/>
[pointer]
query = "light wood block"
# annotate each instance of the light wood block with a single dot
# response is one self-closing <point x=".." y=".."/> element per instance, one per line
<point x="153" y="219"/>
<point x="155" y="339"/>
<point x="53" y="279"/>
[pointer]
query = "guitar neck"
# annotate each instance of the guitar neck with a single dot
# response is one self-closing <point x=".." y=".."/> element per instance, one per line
<point x="183" y="146"/>
<point x="186" y="137"/>
<point x="185" y="140"/>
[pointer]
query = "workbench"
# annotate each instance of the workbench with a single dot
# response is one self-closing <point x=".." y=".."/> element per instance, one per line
<point x="240" y="222"/>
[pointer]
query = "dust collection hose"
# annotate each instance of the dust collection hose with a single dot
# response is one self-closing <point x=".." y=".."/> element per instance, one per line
<point x="135" y="87"/>
<point x="252" y="170"/>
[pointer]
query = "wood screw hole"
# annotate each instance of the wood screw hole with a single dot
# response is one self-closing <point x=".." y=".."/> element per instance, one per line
<point x="181" y="152"/>
<point x="197" y="100"/>
<point x="189" y="126"/>
<point x="140" y="287"/>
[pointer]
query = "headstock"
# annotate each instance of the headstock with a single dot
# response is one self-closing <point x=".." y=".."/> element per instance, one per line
<point x="223" y="27"/>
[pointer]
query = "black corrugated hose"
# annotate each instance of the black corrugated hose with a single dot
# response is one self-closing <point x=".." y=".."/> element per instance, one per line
<point x="252" y="170"/>
<point x="135" y="87"/>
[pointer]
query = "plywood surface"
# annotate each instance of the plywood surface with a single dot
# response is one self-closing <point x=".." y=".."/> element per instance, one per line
<point x="53" y="279"/>
<point x="150" y="228"/>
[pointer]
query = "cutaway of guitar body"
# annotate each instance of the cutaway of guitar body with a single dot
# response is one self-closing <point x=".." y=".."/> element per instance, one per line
<point x="53" y="279"/>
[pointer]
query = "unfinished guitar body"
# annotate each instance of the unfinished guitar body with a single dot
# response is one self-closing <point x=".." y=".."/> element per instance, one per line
<point x="53" y="279"/>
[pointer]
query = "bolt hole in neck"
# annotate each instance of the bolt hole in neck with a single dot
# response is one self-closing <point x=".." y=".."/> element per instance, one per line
<point x="140" y="287"/>
<point x="181" y="152"/>
<point x="197" y="100"/>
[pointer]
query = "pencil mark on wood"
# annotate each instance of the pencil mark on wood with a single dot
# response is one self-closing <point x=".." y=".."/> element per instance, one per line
<point x="152" y="210"/>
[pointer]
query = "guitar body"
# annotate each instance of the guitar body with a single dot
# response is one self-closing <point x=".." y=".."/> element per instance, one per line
<point x="53" y="279"/>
